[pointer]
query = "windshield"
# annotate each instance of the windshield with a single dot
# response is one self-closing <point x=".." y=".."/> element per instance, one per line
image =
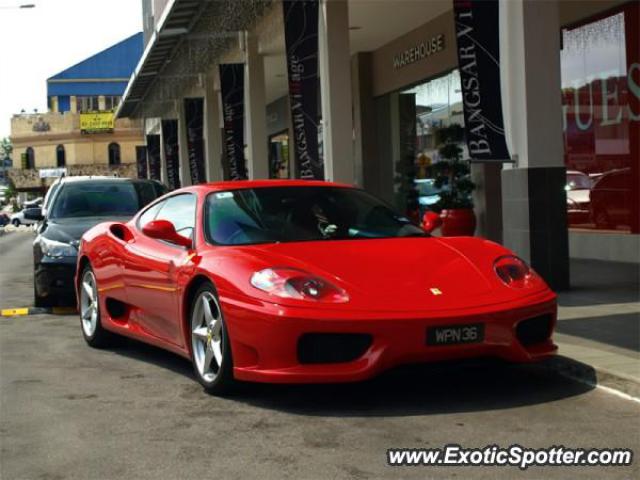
<point x="578" y="182"/>
<point x="96" y="199"/>
<point x="296" y="214"/>
<point x="428" y="188"/>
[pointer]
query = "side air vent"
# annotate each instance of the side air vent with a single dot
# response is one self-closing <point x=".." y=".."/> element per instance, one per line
<point x="120" y="231"/>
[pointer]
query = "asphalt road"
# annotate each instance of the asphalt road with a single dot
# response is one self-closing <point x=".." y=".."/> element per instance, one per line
<point x="135" y="412"/>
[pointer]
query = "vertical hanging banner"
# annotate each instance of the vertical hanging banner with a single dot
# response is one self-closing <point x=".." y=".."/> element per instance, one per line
<point x="153" y="154"/>
<point x="232" y="92"/>
<point x="141" y="162"/>
<point x="171" y="152"/>
<point x="301" y="40"/>
<point x="194" y="118"/>
<point x="478" y="40"/>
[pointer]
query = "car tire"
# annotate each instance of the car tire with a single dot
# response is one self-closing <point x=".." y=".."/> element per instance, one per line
<point x="40" y="301"/>
<point x="601" y="219"/>
<point x="15" y="222"/>
<point x="90" y="319"/>
<point x="210" y="345"/>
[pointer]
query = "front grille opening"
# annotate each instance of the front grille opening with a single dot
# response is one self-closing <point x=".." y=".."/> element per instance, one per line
<point x="332" y="347"/>
<point x="534" y="330"/>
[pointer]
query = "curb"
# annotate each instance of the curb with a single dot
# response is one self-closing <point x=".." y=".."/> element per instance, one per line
<point x="23" y="312"/>
<point x="595" y="377"/>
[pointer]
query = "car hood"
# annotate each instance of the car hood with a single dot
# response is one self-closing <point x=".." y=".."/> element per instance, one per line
<point x="399" y="274"/>
<point x="70" y="230"/>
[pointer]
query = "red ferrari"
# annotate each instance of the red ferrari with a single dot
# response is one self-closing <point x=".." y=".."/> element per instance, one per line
<point x="298" y="281"/>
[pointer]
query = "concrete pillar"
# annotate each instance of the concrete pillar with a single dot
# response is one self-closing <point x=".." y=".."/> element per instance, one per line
<point x="335" y="80"/>
<point x="533" y="195"/>
<point x="255" y="113"/>
<point x="364" y="123"/>
<point x="73" y="104"/>
<point x="212" y="132"/>
<point x="102" y="103"/>
<point x="487" y="200"/>
<point x="183" y="151"/>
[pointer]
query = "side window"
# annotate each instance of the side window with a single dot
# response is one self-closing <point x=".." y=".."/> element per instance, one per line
<point x="149" y="215"/>
<point x="181" y="211"/>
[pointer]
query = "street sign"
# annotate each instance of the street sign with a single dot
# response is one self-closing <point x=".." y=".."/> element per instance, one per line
<point x="52" y="172"/>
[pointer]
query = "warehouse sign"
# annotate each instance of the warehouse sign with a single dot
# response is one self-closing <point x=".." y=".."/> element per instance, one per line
<point x="97" y="122"/>
<point x="419" y="52"/>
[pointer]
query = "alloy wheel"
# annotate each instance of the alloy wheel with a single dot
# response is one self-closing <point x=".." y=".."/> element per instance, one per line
<point x="89" y="303"/>
<point x="207" y="336"/>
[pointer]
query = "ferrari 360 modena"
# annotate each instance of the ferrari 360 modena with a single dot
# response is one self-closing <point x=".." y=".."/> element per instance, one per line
<point x="303" y="282"/>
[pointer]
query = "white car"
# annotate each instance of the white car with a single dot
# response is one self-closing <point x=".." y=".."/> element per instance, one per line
<point x="18" y="219"/>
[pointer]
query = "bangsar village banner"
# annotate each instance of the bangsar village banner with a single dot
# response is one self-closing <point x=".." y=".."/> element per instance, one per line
<point x="171" y="152"/>
<point x="194" y="118"/>
<point x="153" y="152"/>
<point x="232" y="93"/>
<point x="301" y="40"/>
<point x="478" y="42"/>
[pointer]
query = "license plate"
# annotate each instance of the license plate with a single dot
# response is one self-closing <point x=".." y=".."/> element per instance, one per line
<point x="455" y="334"/>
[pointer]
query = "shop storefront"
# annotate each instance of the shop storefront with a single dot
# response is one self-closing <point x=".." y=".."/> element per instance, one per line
<point x="600" y="86"/>
<point x="600" y="64"/>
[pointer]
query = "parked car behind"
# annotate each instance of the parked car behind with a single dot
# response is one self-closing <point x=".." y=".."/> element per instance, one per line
<point x="578" y="188"/>
<point x="611" y="199"/>
<point x="24" y="217"/>
<point x="428" y="193"/>
<point x="79" y="204"/>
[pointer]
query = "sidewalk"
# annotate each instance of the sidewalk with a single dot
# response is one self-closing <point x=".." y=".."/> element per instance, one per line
<point x="599" y="324"/>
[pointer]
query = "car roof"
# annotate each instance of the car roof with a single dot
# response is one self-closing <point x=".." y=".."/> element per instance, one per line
<point x="100" y="178"/>
<point x="248" y="184"/>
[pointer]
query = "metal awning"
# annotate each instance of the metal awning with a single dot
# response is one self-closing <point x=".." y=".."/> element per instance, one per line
<point x="177" y="20"/>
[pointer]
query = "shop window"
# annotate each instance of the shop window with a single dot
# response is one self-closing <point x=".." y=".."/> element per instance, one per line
<point x="87" y="104"/>
<point x="61" y="157"/>
<point x="114" y="154"/>
<point x="438" y="104"/>
<point x="601" y="117"/>
<point x="111" y="102"/>
<point x="279" y="155"/>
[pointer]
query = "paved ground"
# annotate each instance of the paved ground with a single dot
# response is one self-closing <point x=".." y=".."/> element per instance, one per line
<point x="135" y="412"/>
<point x="600" y="319"/>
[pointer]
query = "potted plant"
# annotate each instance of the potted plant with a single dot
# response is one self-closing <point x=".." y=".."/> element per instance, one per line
<point x="452" y="176"/>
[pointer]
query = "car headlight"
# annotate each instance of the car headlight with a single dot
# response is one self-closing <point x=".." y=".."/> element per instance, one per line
<point x="513" y="271"/>
<point x="297" y="284"/>
<point x="55" y="249"/>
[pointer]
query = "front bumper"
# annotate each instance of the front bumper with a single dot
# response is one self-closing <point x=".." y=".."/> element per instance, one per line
<point x="265" y="339"/>
<point x="55" y="277"/>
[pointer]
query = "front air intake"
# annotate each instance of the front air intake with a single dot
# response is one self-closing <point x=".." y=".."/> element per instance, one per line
<point x="332" y="347"/>
<point x="534" y="330"/>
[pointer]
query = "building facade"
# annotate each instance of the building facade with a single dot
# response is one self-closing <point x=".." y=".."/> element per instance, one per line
<point x="79" y="133"/>
<point x="390" y="79"/>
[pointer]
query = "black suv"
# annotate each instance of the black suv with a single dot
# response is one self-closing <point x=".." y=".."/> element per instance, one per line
<point x="78" y="204"/>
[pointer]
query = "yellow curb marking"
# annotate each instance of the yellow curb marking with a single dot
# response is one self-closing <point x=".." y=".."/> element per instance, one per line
<point x="15" y="312"/>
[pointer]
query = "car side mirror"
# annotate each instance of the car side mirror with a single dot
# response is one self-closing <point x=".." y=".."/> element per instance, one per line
<point x="431" y="221"/>
<point x="33" y="214"/>
<point x="164" y="230"/>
